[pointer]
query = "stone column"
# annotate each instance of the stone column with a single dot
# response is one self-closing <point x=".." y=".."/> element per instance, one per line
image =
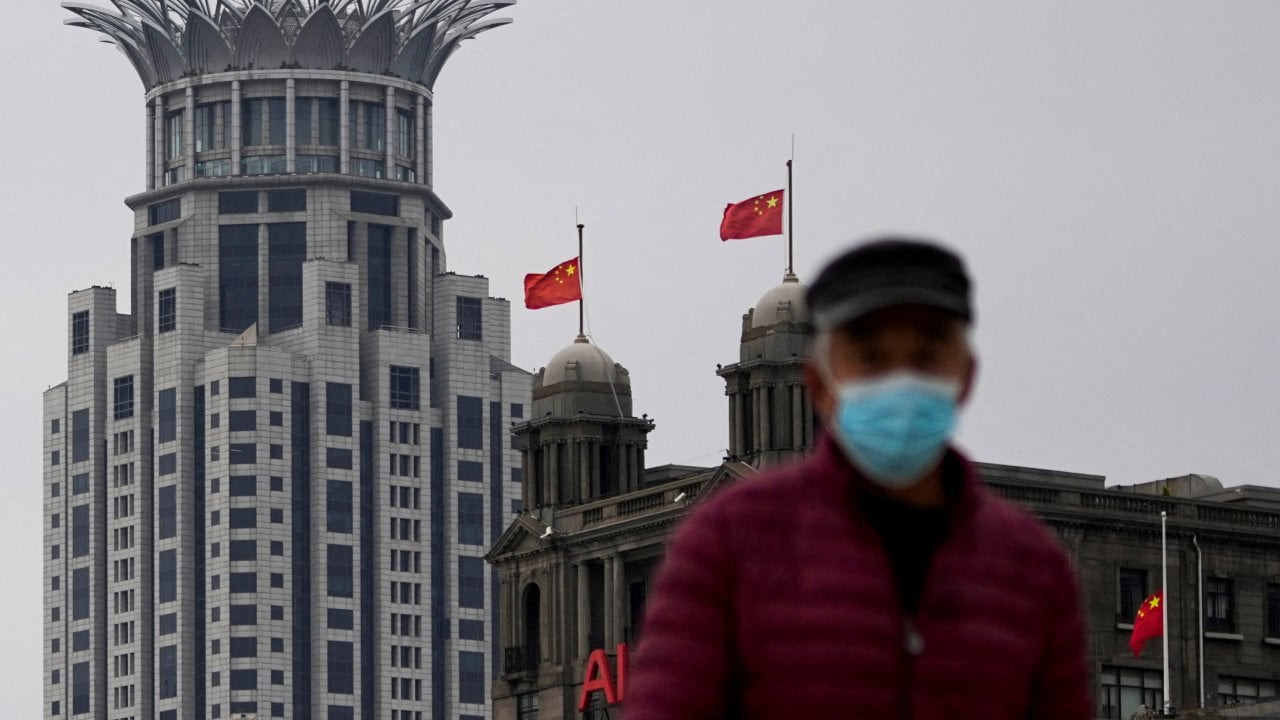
<point x="797" y="416"/>
<point x="419" y="130"/>
<point x="290" y="126"/>
<point x="618" y="581"/>
<point x="584" y="608"/>
<point x="344" y="127"/>
<point x="157" y="142"/>
<point x="151" y="146"/>
<point x="235" y="127"/>
<point x="553" y="471"/>
<point x="388" y="161"/>
<point x="189" y="134"/>
<point x="610" y="604"/>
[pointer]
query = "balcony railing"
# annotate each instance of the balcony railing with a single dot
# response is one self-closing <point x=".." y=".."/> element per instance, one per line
<point x="520" y="660"/>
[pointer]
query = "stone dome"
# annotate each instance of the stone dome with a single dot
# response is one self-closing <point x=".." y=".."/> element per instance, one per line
<point x="782" y="303"/>
<point x="583" y="361"/>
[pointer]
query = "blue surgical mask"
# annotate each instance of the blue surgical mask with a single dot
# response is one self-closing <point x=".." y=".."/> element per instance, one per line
<point x="895" y="428"/>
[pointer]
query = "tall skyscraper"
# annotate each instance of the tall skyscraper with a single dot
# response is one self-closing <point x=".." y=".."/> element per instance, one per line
<point x="269" y="486"/>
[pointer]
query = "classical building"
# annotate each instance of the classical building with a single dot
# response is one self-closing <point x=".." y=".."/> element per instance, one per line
<point x="574" y="568"/>
<point x="269" y="484"/>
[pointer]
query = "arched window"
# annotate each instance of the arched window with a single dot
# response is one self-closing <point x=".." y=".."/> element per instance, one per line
<point x="533" y="624"/>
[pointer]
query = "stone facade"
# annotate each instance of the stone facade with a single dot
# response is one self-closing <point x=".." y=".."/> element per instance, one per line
<point x="270" y="484"/>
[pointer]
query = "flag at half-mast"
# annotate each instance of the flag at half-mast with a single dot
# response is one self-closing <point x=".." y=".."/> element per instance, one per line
<point x="1148" y="623"/>
<point x="753" y="217"/>
<point x="560" y="284"/>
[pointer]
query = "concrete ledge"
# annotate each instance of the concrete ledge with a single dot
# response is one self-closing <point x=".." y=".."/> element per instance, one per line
<point x="1124" y="626"/>
<point x="1270" y="641"/>
<point x="1224" y="636"/>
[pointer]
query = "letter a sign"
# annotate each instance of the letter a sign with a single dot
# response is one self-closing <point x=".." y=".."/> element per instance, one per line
<point x="598" y="678"/>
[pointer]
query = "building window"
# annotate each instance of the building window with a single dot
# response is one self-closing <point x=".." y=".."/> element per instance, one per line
<point x="79" y="531"/>
<point x="166" y="511"/>
<point x="379" y="274"/>
<point x="469" y="319"/>
<point x="242" y="453"/>
<point x="123" y="397"/>
<point x="341" y="667"/>
<point x="1133" y="591"/>
<point x="1123" y="691"/>
<point x="242" y="485"/>
<point x="80" y="688"/>
<point x="470" y="471"/>
<point x="405" y="383"/>
<point x="173" y="134"/>
<point x="167" y="411"/>
<point x="166" y="576"/>
<point x="470" y="422"/>
<point x="1273" y="610"/>
<point x="262" y="121"/>
<point x="338" y="409"/>
<point x="375" y="203"/>
<point x="527" y="706"/>
<point x="242" y="518"/>
<point x="242" y="387"/>
<point x="164" y="212"/>
<point x="235" y="202"/>
<point x="291" y="200"/>
<point x="286" y="250"/>
<point x="1219" y="611"/>
<point x="471" y="582"/>
<point x="339" y="568"/>
<point x="471" y="677"/>
<point x="80" y="332"/>
<point x="243" y="614"/>
<point x="242" y="551"/>
<point x="338" y="503"/>
<point x="1233" y="690"/>
<point x="157" y="250"/>
<point x="166" y="310"/>
<point x="80" y="594"/>
<point x="470" y="518"/>
<point x="237" y="277"/>
<point x="337" y="304"/>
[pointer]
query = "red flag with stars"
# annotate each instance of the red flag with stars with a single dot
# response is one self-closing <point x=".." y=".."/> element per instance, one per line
<point x="560" y="284"/>
<point x="1149" y="622"/>
<point x="760" y="215"/>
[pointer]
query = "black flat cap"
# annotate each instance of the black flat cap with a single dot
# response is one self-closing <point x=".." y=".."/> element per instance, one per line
<point x="885" y="272"/>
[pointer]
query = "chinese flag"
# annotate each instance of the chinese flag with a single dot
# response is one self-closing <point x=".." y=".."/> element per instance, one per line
<point x="558" y="285"/>
<point x="760" y="215"/>
<point x="1149" y="623"/>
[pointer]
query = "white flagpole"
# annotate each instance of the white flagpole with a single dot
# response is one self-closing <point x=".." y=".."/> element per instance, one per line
<point x="1164" y="615"/>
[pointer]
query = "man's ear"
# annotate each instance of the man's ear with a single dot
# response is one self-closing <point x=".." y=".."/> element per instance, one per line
<point x="819" y="394"/>
<point x="970" y="377"/>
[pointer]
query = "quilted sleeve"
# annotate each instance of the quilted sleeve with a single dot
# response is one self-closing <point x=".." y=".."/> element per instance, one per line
<point x="1061" y="689"/>
<point x="684" y="660"/>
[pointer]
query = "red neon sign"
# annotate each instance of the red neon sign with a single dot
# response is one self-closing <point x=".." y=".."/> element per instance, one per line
<point x="597" y="678"/>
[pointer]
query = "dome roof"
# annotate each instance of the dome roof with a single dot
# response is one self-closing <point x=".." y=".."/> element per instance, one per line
<point x="782" y="303"/>
<point x="583" y="361"/>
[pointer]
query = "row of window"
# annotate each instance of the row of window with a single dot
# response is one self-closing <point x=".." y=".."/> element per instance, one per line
<point x="1219" y="602"/>
<point x="263" y="121"/>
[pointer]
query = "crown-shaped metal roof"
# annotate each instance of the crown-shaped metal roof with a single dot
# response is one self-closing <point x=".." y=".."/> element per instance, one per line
<point x="170" y="39"/>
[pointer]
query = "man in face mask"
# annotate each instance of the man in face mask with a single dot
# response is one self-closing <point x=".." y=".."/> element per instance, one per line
<point x="876" y="578"/>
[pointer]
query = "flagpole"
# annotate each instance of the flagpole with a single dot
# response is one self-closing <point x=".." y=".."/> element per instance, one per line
<point x="790" y="215"/>
<point x="580" y="282"/>
<point x="1164" y="616"/>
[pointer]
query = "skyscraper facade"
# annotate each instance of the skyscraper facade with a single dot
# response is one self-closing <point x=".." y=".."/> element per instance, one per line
<point x="269" y="485"/>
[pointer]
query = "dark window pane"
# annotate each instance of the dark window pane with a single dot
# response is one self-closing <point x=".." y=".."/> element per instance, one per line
<point x="337" y="304"/>
<point x="338" y="458"/>
<point x="79" y="435"/>
<point x="80" y="332"/>
<point x="379" y="276"/>
<point x="471" y="677"/>
<point x="242" y="387"/>
<point x="122" y="394"/>
<point x="470" y="324"/>
<point x="167" y="410"/>
<point x="405" y="387"/>
<point x="470" y="518"/>
<point x="470" y="422"/>
<point x="341" y="667"/>
<point x="471" y="630"/>
<point x="243" y="582"/>
<point x="341" y="619"/>
<point x="167" y="682"/>
<point x="244" y="614"/>
<point x="244" y="679"/>
<point x="241" y="420"/>
<point x="79" y="531"/>
<point x="243" y="550"/>
<point x="238" y="201"/>
<point x="80" y="594"/>
<point x="339" y="506"/>
<point x="167" y="310"/>
<point x="166" y="511"/>
<point x="470" y="471"/>
<point x="242" y="518"/>
<point x="167" y="576"/>
<point x="339" y="568"/>
<point x="165" y="211"/>
<point x="243" y="485"/>
<point x="339" y="409"/>
<point x="168" y="623"/>
<point x="243" y="453"/>
<point x="237" y="276"/>
<point x="292" y="200"/>
<point x="286" y="250"/>
<point x="471" y="582"/>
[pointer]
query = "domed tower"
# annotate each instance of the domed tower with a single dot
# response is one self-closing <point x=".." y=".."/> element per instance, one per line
<point x="770" y="415"/>
<point x="581" y="442"/>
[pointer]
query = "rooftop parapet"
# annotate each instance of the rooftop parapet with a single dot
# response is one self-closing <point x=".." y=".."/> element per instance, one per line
<point x="167" y="40"/>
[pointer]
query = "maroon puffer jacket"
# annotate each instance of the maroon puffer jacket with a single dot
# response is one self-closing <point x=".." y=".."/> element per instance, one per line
<point x="776" y="600"/>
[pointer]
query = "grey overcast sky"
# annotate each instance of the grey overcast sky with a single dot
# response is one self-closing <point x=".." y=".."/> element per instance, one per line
<point x="1110" y="170"/>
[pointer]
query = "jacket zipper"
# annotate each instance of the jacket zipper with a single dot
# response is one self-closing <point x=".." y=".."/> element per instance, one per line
<point x="912" y="647"/>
